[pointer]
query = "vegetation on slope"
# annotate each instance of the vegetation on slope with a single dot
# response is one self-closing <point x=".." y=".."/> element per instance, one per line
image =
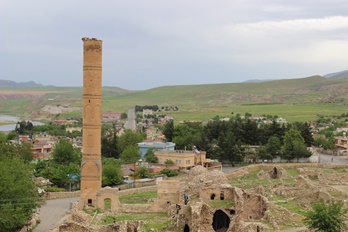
<point x="294" y="99"/>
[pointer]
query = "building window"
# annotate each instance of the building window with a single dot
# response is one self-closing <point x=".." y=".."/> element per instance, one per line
<point x="160" y="160"/>
<point x="188" y="161"/>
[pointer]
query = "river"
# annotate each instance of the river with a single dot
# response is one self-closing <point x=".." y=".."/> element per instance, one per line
<point x="12" y="126"/>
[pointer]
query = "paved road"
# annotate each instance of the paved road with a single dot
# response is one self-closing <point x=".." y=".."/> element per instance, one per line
<point x="329" y="159"/>
<point x="130" y="124"/>
<point x="52" y="213"/>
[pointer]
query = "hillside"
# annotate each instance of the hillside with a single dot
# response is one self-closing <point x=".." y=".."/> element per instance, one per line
<point x="296" y="99"/>
<point x="13" y="84"/>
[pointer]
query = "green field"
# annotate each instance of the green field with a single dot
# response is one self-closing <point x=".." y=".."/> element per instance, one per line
<point x="295" y="99"/>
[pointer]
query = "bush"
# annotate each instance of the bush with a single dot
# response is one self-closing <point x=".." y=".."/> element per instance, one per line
<point x="169" y="172"/>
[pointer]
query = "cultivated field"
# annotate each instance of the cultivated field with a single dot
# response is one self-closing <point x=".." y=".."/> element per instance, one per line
<point x="295" y="99"/>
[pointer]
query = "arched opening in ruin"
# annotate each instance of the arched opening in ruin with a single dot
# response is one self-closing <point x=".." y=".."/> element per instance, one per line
<point x="186" y="228"/>
<point x="107" y="204"/>
<point x="221" y="221"/>
<point x="274" y="173"/>
<point x="257" y="229"/>
<point x="222" y="195"/>
<point x="212" y="196"/>
<point x="232" y="212"/>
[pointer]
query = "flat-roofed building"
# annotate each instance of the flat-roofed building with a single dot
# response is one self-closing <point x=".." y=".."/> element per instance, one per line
<point x="341" y="144"/>
<point x="183" y="158"/>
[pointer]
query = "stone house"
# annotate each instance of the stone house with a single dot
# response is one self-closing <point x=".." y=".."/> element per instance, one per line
<point x="183" y="158"/>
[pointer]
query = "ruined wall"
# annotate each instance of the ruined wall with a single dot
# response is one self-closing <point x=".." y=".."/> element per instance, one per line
<point x="217" y="194"/>
<point x="73" y="226"/>
<point x="107" y="193"/>
<point x="135" y="208"/>
<point x="168" y="193"/>
<point x="245" y="170"/>
<point x="138" y="190"/>
<point x="56" y="195"/>
<point x="254" y="206"/>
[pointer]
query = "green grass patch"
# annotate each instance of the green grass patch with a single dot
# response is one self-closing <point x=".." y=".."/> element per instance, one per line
<point x="220" y="203"/>
<point x="251" y="180"/>
<point x="293" y="207"/>
<point x="107" y="204"/>
<point x="292" y="171"/>
<point x="92" y="211"/>
<point x="138" y="198"/>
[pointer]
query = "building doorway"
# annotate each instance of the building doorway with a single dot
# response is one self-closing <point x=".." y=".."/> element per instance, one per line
<point x="221" y="221"/>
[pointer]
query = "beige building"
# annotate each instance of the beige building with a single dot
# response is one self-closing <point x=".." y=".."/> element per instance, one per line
<point x="147" y="112"/>
<point x="341" y="144"/>
<point x="182" y="158"/>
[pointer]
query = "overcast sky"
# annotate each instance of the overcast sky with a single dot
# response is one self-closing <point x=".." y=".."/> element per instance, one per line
<point x="151" y="43"/>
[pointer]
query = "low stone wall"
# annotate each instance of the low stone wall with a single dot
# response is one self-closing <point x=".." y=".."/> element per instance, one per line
<point x="56" y="195"/>
<point x="137" y="184"/>
<point x="138" y="190"/>
<point x="135" y="208"/>
<point x="73" y="226"/>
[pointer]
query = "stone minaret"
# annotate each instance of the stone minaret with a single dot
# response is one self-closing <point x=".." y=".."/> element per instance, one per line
<point x="91" y="167"/>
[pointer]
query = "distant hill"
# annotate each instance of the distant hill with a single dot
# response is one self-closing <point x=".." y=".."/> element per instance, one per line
<point x="13" y="84"/>
<point x="257" y="80"/>
<point x="296" y="99"/>
<point x="337" y="75"/>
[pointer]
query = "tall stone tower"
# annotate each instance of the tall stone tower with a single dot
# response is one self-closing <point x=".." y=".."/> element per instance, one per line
<point x="91" y="167"/>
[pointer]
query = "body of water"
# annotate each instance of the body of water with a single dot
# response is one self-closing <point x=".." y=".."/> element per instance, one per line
<point x="10" y="127"/>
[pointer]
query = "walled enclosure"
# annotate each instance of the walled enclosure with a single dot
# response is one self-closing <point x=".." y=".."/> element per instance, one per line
<point x="92" y="104"/>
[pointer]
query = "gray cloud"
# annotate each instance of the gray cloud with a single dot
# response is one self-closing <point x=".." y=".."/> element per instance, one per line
<point x="153" y="43"/>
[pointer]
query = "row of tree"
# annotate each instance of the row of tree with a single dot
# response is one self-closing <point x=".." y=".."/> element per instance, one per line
<point x="146" y="107"/>
<point x="229" y="140"/>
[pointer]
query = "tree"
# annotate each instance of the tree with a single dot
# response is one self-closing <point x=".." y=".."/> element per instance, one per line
<point x="21" y="151"/>
<point x="263" y="154"/>
<point x="111" y="173"/>
<point x="65" y="153"/>
<point x="150" y="156"/>
<point x="24" y="128"/>
<point x="142" y="172"/>
<point x="130" y="138"/>
<point x="327" y="217"/>
<point x="124" y="116"/>
<point x="273" y="147"/>
<point x="187" y="135"/>
<point x="293" y="145"/>
<point x="61" y="174"/>
<point x="18" y="195"/>
<point x="169" y="172"/>
<point x="168" y="130"/>
<point x="109" y="141"/>
<point x="169" y="162"/>
<point x="306" y="133"/>
<point x="130" y="155"/>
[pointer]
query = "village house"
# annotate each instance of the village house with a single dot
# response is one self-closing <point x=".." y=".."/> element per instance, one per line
<point x="41" y="149"/>
<point x="111" y="116"/>
<point x="183" y="158"/>
<point x="147" y="112"/>
<point x="341" y="144"/>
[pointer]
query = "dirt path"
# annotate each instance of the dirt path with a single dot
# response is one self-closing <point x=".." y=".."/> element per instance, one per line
<point x="53" y="213"/>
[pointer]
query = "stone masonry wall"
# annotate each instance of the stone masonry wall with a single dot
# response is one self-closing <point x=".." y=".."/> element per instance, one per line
<point x="56" y="195"/>
<point x="138" y="190"/>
